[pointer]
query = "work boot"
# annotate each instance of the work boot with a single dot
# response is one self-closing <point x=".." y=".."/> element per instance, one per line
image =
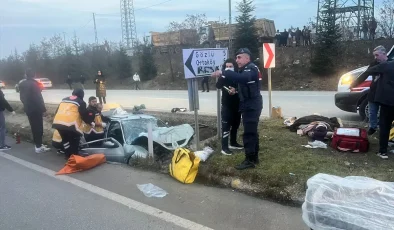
<point x="371" y="131"/>
<point x="245" y="164"/>
<point x="236" y="146"/>
<point x="227" y="152"/>
<point x="255" y="159"/>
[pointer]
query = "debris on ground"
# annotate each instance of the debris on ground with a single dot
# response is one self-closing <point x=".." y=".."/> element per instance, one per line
<point x="204" y="154"/>
<point x="151" y="190"/>
<point x="316" y="145"/>
<point x="352" y="202"/>
<point x="174" y="110"/>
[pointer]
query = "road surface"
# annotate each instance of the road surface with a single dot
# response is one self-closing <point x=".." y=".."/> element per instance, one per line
<point x="293" y="103"/>
<point x="106" y="197"/>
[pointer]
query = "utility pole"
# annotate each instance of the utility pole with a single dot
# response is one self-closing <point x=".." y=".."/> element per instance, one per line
<point x="230" y="45"/>
<point x="64" y="39"/>
<point x="95" y="29"/>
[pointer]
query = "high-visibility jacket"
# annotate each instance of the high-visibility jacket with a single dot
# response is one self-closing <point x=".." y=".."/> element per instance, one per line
<point x="56" y="137"/>
<point x="69" y="115"/>
<point x="98" y="129"/>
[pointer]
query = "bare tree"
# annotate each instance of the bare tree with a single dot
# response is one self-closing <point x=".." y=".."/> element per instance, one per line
<point x="386" y="20"/>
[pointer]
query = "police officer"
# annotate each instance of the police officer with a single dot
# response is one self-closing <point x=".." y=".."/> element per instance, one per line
<point x="251" y="103"/>
<point x="231" y="117"/>
<point x="68" y="121"/>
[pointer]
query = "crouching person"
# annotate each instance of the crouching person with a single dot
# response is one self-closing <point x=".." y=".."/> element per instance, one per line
<point x="96" y="132"/>
<point x="57" y="142"/>
<point x="68" y="120"/>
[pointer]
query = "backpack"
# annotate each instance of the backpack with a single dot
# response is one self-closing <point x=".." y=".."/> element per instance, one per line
<point x="350" y="140"/>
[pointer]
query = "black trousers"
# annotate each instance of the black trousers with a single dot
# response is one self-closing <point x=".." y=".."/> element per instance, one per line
<point x="385" y="120"/>
<point x="205" y="82"/>
<point x="101" y="99"/>
<point x="37" y="127"/>
<point x="231" y="119"/>
<point x="70" y="141"/>
<point x="250" y="120"/>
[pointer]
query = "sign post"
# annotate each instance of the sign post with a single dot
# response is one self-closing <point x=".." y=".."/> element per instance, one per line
<point x="269" y="62"/>
<point x="201" y="63"/>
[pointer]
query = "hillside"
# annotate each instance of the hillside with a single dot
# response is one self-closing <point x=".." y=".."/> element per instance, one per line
<point x="292" y="71"/>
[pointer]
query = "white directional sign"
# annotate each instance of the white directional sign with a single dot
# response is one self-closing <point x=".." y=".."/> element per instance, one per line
<point x="269" y="55"/>
<point x="203" y="62"/>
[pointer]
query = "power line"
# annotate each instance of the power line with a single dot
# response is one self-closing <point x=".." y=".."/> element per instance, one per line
<point x="143" y="8"/>
<point x="161" y="3"/>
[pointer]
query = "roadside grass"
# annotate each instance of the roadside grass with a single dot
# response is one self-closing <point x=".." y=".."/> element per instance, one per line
<point x="285" y="165"/>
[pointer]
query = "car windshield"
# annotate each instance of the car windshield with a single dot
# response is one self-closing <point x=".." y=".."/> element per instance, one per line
<point x="132" y="128"/>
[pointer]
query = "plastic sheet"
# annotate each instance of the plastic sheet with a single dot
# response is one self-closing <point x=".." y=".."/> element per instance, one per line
<point x="316" y="145"/>
<point x="351" y="203"/>
<point x="151" y="190"/>
<point x="204" y="154"/>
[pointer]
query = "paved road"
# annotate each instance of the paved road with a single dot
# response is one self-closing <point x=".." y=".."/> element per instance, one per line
<point x="106" y="197"/>
<point x="293" y="103"/>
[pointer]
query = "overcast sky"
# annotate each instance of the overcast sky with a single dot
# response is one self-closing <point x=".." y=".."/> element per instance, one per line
<point x="27" y="21"/>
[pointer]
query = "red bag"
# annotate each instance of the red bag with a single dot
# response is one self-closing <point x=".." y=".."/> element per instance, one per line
<point x="350" y="140"/>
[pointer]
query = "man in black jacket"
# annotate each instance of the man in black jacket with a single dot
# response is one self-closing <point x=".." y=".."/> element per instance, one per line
<point x="231" y="117"/>
<point x="30" y="95"/>
<point x="4" y="105"/>
<point x="380" y="55"/>
<point x="384" y="96"/>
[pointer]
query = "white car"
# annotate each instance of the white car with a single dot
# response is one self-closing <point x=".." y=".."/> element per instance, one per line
<point x="46" y="83"/>
<point x="355" y="100"/>
<point x="349" y="77"/>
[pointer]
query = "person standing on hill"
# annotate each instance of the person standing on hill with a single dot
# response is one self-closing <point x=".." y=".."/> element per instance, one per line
<point x="82" y="81"/>
<point x="137" y="80"/>
<point x="69" y="82"/>
<point x="101" y="90"/>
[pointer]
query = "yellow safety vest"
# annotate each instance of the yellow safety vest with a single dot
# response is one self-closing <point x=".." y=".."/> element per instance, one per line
<point x="68" y="114"/>
<point x="98" y="129"/>
<point x="56" y="137"/>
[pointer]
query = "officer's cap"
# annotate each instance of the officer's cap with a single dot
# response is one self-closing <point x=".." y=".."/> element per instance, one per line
<point x="244" y="51"/>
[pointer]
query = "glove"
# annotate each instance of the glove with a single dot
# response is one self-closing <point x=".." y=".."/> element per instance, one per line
<point x="13" y="113"/>
<point x="93" y="125"/>
<point x="103" y="125"/>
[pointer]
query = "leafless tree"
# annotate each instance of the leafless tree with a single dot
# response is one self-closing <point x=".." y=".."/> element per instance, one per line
<point x="386" y="20"/>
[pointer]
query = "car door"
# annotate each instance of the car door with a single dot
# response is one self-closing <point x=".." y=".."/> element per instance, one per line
<point x="115" y="131"/>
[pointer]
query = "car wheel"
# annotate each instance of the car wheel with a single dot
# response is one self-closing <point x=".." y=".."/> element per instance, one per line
<point x="363" y="110"/>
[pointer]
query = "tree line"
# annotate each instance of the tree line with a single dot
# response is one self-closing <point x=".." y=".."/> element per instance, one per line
<point x="56" y="59"/>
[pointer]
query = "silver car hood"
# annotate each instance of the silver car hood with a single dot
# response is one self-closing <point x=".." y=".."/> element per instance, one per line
<point x="172" y="137"/>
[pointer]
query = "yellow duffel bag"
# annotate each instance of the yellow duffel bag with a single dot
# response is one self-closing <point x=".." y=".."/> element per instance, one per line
<point x="184" y="165"/>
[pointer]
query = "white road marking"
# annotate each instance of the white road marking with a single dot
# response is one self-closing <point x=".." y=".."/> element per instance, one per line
<point x="132" y="204"/>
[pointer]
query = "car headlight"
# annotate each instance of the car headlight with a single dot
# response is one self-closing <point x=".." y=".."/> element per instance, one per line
<point x="346" y="79"/>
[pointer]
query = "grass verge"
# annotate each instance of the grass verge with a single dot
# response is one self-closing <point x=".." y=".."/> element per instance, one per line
<point x="285" y="165"/>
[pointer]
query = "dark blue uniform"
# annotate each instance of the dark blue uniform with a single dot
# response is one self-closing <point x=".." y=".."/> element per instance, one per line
<point x="251" y="104"/>
<point x="231" y="117"/>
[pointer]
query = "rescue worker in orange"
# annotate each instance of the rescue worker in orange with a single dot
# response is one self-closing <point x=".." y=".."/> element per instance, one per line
<point x="96" y="132"/>
<point x="69" y="119"/>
